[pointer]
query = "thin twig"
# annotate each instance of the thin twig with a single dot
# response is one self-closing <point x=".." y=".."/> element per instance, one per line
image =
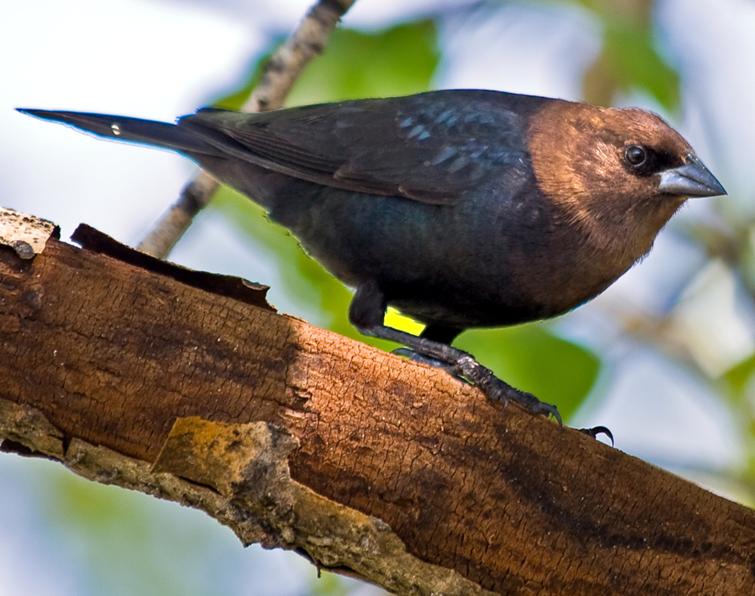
<point x="284" y="67"/>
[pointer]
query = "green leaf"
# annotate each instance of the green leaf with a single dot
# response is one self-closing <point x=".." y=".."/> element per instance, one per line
<point x="327" y="583"/>
<point x="400" y="60"/>
<point x="635" y="62"/>
<point x="397" y="61"/>
<point x="738" y="383"/>
<point x="739" y="377"/>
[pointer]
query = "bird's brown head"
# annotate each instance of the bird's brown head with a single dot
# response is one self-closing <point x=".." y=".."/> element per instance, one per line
<point x="618" y="173"/>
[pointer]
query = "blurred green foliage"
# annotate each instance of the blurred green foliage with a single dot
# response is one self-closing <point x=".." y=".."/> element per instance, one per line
<point x="397" y="61"/>
<point x="630" y="59"/>
<point x="630" y="54"/>
<point x="738" y="385"/>
<point x="537" y="360"/>
<point x="120" y="545"/>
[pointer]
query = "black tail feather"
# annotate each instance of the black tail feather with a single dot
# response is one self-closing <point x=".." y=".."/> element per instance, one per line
<point x="148" y="132"/>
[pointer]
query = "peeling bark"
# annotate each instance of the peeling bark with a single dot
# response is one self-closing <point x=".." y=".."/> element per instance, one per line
<point x="134" y="372"/>
<point x="238" y="474"/>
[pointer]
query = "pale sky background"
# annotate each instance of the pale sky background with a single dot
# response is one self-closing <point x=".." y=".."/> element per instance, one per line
<point x="162" y="59"/>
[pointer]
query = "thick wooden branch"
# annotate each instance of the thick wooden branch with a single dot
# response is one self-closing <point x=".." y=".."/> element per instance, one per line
<point x="186" y="385"/>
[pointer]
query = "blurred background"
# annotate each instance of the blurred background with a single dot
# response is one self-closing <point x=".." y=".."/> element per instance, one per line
<point x="665" y="358"/>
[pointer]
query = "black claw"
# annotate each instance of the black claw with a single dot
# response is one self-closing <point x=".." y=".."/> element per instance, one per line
<point x="533" y="405"/>
<point x="595" y="431"/>
<point x="551" y="410"/>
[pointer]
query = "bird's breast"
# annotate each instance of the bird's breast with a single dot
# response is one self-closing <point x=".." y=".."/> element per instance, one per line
<point x="485" y="261"/>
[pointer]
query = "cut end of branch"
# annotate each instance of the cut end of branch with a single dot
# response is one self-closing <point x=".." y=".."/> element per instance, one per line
<point x="26" y="234"/>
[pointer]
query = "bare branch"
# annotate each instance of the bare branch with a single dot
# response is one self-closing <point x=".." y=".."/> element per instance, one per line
<point x="284" y="67"/>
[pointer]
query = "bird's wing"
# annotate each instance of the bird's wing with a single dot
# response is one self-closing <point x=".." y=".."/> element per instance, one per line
<point x="434" y="147"/>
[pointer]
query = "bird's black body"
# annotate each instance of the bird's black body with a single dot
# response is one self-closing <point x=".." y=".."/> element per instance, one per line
<point x="461" y="208"/>
<point x="457" y="210"/>
<point x="458" y="214"/>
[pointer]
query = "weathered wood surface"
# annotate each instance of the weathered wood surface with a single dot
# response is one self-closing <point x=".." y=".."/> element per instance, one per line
<point x="112" y="353"/>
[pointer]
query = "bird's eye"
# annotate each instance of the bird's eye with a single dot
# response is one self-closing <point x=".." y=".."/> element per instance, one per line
<point x="636" y="155"/>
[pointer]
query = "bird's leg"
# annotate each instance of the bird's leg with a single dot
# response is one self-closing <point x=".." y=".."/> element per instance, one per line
<point x="462" y="364"/>
<point x="367" y="312"/>
<point x="422" y="359"/>
<point x="440" y="334"/>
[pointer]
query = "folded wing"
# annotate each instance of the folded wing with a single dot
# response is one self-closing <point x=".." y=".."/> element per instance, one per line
<point x="434" y="147"/>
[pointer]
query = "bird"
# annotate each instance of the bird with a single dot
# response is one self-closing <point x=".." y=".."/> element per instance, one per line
<point x="462" y="208"/>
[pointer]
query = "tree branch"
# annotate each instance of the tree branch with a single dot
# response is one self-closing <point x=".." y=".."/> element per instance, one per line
<point x="186" y="385"/>
<point x="281" y="71"/>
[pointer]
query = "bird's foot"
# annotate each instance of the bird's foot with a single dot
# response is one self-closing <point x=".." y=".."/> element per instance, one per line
<point x="595" y="431"/>
<point x="430" y="361"/>
<point x="458" y="363"/>
<point x="463" y="366"/>
<point x="497" y="390"/>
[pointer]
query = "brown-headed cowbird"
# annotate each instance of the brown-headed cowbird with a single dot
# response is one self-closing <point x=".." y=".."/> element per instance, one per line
<point x="462" y="208"/>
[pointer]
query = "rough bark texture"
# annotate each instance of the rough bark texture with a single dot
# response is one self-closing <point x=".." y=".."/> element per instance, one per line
<point x="111" y="353"/>
<point x="238" y="473"/>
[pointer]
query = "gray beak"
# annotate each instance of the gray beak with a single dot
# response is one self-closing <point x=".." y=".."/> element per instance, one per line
<point x="692" y="179"/>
